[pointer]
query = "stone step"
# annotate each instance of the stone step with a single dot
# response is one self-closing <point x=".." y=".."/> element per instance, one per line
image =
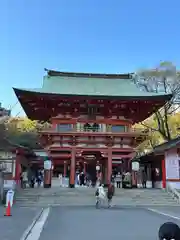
<point x="92" y="204"/>
<point x="92" y="195"/>
<point x="86" y="196"/>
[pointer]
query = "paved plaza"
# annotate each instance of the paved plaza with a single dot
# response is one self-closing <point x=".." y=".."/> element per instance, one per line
<point x="46" y="214"/>
<point x="13" y="228"/>
<point x="89" y="223"/>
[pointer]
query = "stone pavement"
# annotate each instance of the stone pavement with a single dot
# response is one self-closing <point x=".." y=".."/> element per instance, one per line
<point x="71" y="214"/>
<point x="12" y="228"/>
<point x="90" y="223"/>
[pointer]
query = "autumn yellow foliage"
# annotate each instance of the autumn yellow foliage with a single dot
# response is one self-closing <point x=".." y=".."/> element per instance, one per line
<point x="154" y="136"/>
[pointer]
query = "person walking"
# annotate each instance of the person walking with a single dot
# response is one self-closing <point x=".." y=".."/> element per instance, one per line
<point x="24" y="179"/>
<point x="21" y="180"/>
<point x="110" y="193"/>
<point x="60" y="179"/>
<point x="100" y="195"/>
<point x="32" y="182"/>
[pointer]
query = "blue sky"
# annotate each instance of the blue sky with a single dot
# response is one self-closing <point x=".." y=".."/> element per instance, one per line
<point x="104" y="36"/>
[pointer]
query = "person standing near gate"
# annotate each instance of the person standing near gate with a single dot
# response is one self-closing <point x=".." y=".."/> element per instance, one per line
<point x="118" y="180"/>
<point x="144" y="179"/>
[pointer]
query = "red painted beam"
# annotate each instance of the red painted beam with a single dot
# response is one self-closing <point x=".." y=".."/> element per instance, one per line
<point x="128" y="134"/>
<point x="91" y="149"/>
<point x="68" y="156"/>
<point x="59" y="155"/>
<point x="99" y="121"/>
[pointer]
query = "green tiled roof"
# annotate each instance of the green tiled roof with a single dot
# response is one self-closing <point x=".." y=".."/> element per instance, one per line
<point x="91" y="86"/>
<point x="167" y="145"/>
<point x="160" y="149"/>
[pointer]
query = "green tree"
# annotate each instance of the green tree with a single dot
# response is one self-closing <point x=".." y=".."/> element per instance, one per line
<point x="154" y="137"/>
<point x="166" y="79"/>
<point x="23" y="131"/>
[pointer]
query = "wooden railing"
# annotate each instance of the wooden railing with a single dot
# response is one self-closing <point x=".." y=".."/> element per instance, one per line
<point x="98" y="130"/>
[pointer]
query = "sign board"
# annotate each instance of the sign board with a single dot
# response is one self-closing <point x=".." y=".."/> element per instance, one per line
<point x="97" y="168"/>
<point x="47" y="165"/>
<point x="6" y="155"/>
<point x="9" y="197"/>
<point x="41" y="153"/>
<point x="135" y="166"/>
<point x="9" y="184"/>
<point x="117" y="162"/>
<point x="89" y="157"/>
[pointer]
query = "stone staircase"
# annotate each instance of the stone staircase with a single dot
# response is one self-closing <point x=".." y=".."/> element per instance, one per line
<point x="144" y="197"/>
<point x="56" y="196"/>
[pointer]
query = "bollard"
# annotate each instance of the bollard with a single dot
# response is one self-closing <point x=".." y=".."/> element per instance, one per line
<point x="9" y="202"/>
<point x="8" y="210"/>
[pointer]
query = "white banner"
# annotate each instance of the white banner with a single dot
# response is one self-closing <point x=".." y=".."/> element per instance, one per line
<point x="172" y="165"/>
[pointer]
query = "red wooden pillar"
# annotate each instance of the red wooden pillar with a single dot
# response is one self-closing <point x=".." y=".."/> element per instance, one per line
<point x="54" y="125"/>
<point x="163" y="166"/>
<point x="17" y="168"/>
<point x="65" y="168"/>
<point x="84" y="168"/>
<point x="72" y="168"/>
<point x="100" y="174"/>
<point x="109" y="166"/>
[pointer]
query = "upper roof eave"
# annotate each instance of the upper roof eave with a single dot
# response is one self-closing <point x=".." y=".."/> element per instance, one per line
<point x="38" y="91"/>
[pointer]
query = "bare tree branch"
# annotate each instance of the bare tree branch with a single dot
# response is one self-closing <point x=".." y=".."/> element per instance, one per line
<point x="149" y="127"/>
<point x="166" y="79"/>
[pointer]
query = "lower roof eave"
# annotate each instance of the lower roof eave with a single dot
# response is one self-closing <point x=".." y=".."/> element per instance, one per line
<point x="22" y="92"/>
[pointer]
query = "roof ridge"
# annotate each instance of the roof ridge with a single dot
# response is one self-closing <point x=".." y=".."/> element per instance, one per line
<point x="53" y="73"/>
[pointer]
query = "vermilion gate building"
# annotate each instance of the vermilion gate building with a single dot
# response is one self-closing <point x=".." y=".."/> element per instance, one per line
<point x="92" y="117"/>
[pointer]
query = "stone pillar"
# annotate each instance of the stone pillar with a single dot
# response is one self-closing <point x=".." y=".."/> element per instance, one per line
<point x="65" y="168"/>
<point x="72" y="168"/>
<point x="47" y="178"/>
<point x="134" y="178"/>
<point x="109" y="166"/>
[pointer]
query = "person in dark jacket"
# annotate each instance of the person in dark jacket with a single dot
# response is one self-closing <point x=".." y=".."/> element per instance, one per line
<point x="82" y="178"/>
<point x="32" y="181"/>
<point x="112" y="178"/>
<point x="169" y="231"/>
<point x="144" y="179"/>
<point x="110" y="193"/>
